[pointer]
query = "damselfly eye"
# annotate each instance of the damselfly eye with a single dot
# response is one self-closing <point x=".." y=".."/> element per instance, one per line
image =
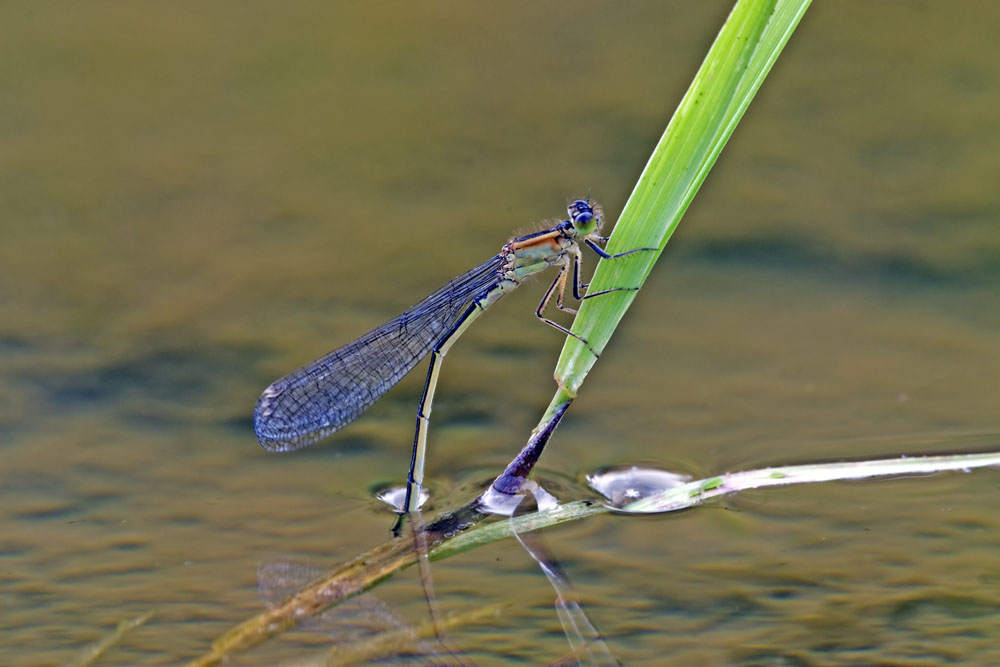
<point x="580" y="212"/>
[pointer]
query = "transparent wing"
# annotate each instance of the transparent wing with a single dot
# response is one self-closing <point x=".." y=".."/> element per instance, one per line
<point x="325" y="395"/>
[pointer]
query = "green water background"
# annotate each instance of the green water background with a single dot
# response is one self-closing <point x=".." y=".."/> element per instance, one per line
<point x="198" y="198"/>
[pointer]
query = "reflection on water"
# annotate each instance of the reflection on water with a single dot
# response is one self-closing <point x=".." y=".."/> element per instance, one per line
<point x="195" y="203"/>
<point x="627" y="485"/>
<point x="395" y="496"/>
<point x="356" y="619"/>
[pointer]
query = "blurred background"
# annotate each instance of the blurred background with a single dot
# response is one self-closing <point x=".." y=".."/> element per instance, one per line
<point x="197" y="199"/>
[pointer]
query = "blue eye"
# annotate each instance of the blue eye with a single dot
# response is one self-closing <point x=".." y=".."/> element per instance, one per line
<point x="580" y="212"/>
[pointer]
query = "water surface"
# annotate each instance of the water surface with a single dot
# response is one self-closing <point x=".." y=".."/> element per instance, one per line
<point x="198" y="199"/>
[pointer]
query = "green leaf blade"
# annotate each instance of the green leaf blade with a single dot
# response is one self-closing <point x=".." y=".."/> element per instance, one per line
<point x="743" y="53"/>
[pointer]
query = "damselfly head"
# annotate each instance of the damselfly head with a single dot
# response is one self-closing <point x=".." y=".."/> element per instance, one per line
<point x="584" y="217"/>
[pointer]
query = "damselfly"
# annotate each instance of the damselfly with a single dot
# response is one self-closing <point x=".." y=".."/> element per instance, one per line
<point x="327" y="394"/>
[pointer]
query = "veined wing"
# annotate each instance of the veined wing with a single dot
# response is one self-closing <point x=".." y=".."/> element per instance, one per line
<point x="325" y="395"/>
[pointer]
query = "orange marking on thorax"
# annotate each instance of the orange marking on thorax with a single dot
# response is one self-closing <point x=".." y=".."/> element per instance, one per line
<point x="552" y="239"/>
